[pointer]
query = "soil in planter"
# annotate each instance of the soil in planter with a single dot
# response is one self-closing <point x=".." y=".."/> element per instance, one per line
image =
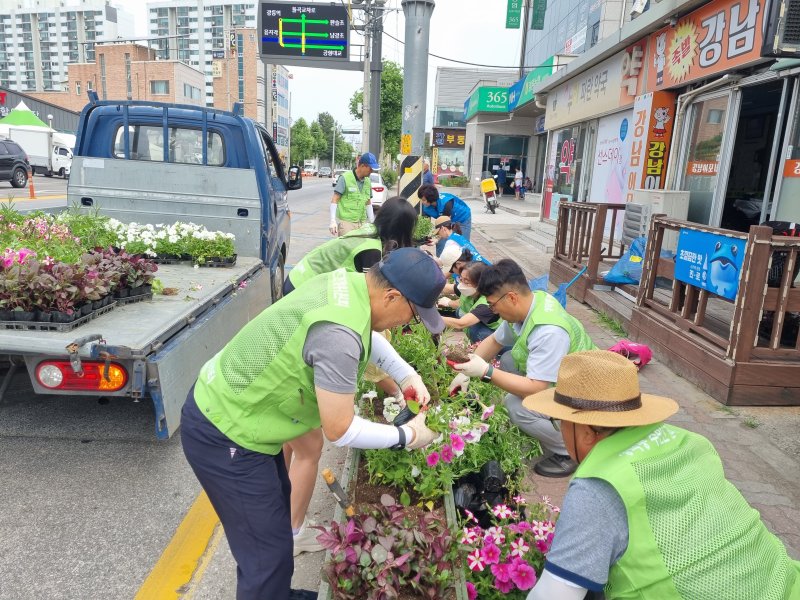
<point x="457" y="353"/>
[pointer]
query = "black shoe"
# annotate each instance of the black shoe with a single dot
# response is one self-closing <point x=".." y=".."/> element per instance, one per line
<point x="557" y="465"/>
<point x="302" y="595"/>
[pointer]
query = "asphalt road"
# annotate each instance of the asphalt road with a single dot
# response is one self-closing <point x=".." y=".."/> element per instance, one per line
<point x="90" y="499"/>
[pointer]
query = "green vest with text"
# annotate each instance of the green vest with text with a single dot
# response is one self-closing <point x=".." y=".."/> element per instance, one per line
<point x="691" y="534"/>
<point x="258" y="390"/>
<point x="548" y="311"/>
<point x="352" y="205"/>
<point x="338" y="253"/>
<point x="467" y="303"/>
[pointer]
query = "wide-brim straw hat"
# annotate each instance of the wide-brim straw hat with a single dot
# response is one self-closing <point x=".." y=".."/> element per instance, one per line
<point x="441" y="221"/>
<point x="600" y="388"/>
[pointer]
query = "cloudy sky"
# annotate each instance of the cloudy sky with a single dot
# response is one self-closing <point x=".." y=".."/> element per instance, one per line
<point x="466" y="30"/>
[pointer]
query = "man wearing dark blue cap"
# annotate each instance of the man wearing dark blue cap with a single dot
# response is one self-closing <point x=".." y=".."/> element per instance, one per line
<point x="351" y="205"/>
<point x="294" y="368"/>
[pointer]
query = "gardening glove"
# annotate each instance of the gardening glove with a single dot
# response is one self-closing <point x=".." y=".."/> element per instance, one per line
<point x="422" y="434"/>
<point x="444" y="302"/>
<point x="400" y="398"/>
<point x="460" y="383"/>
<point x="333" y="228"/>
<point x="474" y="367"/>
<point x="414" y="389"/>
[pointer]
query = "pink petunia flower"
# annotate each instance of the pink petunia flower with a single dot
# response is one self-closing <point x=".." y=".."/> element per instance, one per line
<point x="433" y="459"/>
<point x="502" y="572"/>
<point x="495" y="534"/>
<point x="519" y="548"/>
<point x="488" y="411"/>
<point x="469" y="536"/>
<point x="457" y="442"/>
<point x="475" y="561"/>
<point x="490" y="554"/>
<point x="523" y="526"/>
<point x="472" y="593"/>
<point x="501" y="511"/>
<point x="469" y="515"/>
<point x="447" y="453"/>
<point x="519" y="500"/>
<point x="522" y="574"/>
<point x="504" y="586"/>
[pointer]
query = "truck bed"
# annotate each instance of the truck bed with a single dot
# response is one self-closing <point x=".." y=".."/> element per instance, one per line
<point x="143" y="326"/>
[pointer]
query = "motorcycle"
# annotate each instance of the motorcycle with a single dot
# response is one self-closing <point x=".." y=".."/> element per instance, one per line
<point x="489" y="192"/>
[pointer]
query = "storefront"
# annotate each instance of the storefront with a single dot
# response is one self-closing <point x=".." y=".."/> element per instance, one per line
<point x="447" y="154"/>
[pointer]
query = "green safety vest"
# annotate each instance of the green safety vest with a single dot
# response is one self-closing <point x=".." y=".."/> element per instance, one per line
<point x="691" y="534"/>
<point x="467" y="303"/>
<point x="258" y="390"/>
<point x="548" y="311"/>
<point x="352" y="206"/>
<point x="338" y="253"/>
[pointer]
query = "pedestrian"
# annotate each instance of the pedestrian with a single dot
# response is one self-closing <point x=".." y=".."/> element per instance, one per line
<point x="436" y="205"/>
<point x="427" y="176"/>
<point x="518" y="182"/>
<point x="541" y="333"/>
<point x="649" y="513"/>
<point x="292" y="369"/>
<point x="473" y="314"/>
<point x="501" y="180"/>
<point x="528" y="185"/>
<point x="351" y="205"/>
<point x="447" y="231"/>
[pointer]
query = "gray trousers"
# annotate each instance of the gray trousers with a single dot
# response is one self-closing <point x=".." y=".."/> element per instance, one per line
<point x="533" y="423"/>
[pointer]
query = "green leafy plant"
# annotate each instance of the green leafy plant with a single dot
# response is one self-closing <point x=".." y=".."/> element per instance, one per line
<point x="387" y="549"/>
<point x="423" y="229"/>
<point x="453" y="180"/>
<point x="610" y="323"/>
<point x="389" y="178"/>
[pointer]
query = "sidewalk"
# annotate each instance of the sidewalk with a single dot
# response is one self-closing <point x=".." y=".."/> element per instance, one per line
<point x="767" y="476"/>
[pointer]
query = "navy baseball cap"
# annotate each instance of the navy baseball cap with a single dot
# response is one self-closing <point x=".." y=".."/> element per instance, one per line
<point x="416" y="275"/>
<point x="368" y="158"/>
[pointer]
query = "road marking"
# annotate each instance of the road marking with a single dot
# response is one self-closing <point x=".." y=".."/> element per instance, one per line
<point x="184" y="556"/>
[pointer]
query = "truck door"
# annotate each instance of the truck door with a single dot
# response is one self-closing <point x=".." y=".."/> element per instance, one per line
<point x="279" y="209"/>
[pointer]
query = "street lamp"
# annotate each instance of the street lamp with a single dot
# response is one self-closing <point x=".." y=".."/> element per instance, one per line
<point x="50" y="121"/>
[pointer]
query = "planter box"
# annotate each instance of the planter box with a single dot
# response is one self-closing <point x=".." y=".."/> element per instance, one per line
<point x="347" y="480"/>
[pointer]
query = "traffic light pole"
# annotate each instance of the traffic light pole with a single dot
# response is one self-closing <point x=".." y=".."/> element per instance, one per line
<point x="415" y="70"/>
<point x="376" y="67"/>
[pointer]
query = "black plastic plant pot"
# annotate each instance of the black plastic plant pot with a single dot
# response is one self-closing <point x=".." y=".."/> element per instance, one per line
<point x="44" y="316"/>
<point x="61" y="317"/>
<point x="403" y="417"/>
<point x="86" y="308"/>
<point x="6" y="315"/>
<point x="24" y="316"/>
<point x="493" y="477"/>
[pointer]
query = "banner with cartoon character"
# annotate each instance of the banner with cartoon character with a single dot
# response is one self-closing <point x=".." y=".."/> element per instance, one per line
<point x="710" y="261"/>
<point x="651" y="134"/>
<point x="718" y="37"/>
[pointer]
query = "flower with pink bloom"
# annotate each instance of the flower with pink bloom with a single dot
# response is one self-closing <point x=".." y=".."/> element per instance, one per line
<point x="523" y="526"/>
<point x="504" y="586"/>
<point x="433" y="459"/>
<point x="475" y="561"/>
<point x="490" y="554"/>
<point x="488" y="411"/>
<point x="519" y="547"/>
<point x="468" y="437"/>
<point x="23" y="254"/>
<point x="472" y="593"/>
<point x="543" y="546"/>
<point x="447" y="453"/>
<point x="469" y="515"/>
<point x="457" y="442"/>
<point x="495" y="534"/>
<point x="519" y="500"/>
<point x="469" y="536"/>
<point x="501" y="511"/>
<point x="502" y="572"/>
<point x="522" y="574"/>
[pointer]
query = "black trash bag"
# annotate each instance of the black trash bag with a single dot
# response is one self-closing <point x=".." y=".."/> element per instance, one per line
<point x="493" y="477"/>
<point x="403" y="417"/>
<point x="466" y="496"/>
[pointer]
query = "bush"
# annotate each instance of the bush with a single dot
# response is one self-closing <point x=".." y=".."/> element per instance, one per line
<point x="389" y="178"/>
<point x="454" y="181"/>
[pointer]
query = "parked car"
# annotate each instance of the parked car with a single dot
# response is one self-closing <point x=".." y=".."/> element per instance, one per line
<point x="379" y="190"/>
<point x="336" y="175"/>
<point x="14" y="165"/>
<point x="308" y="172"/>
<point x="325" y="172"/>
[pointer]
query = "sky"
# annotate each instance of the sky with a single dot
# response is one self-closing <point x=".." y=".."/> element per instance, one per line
<point x="465" y="30"/>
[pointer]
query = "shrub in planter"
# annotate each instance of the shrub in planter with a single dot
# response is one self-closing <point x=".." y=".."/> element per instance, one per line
<point x="423" y="228"/>
<point x="210" y="245"/>
<point x="388" y="549"/>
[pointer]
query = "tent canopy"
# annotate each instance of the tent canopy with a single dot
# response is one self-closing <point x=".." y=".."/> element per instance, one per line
<point x="22" y="115"/>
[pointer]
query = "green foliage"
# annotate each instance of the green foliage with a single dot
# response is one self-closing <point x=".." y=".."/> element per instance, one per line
<point x="423" y="229"/>
<point x="315" y="141"/>
<point x="454" y="181"/>
<point x="302" y="142"/>
<point x="90" y="227"/>
<point x="391" y="107"/>
<point x="389" y="178"/>
<point x="610" y="323"/>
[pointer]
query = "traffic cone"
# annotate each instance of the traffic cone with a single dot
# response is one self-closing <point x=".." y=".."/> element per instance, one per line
<point x="32" y="194"/>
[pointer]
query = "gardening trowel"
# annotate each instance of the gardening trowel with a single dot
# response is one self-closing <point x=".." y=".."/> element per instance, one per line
<point x="338" y="492"/>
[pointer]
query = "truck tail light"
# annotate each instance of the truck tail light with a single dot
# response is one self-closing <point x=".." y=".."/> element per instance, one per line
<point x="58" y="375"/>
<point x="377" y="189"/>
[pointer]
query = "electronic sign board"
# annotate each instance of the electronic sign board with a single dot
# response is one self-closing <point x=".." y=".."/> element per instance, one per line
<point x="305" y="30"/>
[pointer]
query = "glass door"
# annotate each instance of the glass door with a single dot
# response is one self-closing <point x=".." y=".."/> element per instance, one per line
<point x="787" y="192"/>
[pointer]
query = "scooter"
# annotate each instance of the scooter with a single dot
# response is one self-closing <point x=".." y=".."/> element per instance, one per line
<point x="489" y="191"/>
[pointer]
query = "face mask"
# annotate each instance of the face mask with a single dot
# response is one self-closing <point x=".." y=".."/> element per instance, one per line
<point x="467" y="290"/>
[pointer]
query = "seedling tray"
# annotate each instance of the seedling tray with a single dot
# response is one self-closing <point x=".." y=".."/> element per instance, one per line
<point x="44" y="326"/>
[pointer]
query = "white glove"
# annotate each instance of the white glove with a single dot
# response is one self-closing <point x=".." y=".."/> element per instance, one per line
<point x="420" y="392"/>
<point x="460" y="382"/>
<point x="399" y="399"/>
<point x="333" y="228"/>
<point x="422" y="434"/>
<point x="444" y="302"/>
<point x="474" y="367"/>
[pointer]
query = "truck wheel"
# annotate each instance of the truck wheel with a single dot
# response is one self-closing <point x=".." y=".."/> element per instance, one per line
<point x="277" y="280"/>
<point x="61" y="172"/>
<point x="20" y="178"/>
<point x="48" y="173"/>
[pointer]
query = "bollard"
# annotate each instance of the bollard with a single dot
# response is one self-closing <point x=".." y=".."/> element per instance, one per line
<point x="32" y="191"/>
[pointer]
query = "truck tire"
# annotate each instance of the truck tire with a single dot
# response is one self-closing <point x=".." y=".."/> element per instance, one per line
<point x="61" y="172"/>
<point x="19" y="178"/>
<point x="277" y="280"/>
<point x="48" y="173"/>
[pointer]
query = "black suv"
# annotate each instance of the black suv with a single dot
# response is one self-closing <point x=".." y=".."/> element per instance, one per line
<point x="14" y="164"/>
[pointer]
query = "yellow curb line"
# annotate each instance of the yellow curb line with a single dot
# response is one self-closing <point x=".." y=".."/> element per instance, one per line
<point x="184" y="556"/>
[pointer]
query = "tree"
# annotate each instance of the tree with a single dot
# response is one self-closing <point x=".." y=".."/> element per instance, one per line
<point x="391" y="107"/>
<point x="320" y="143"/>
<point x="302" y="142"/>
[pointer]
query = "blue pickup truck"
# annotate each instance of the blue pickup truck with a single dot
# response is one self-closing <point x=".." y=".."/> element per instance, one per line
<point x="148" y="162"/>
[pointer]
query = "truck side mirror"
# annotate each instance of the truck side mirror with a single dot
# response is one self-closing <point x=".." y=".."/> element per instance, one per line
<point x="294" y="179"/>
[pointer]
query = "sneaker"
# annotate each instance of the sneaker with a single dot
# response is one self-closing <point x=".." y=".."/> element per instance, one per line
<point x="306" y="539"/>
<point x="302" y="595"/>
<point x="557" y="465"/>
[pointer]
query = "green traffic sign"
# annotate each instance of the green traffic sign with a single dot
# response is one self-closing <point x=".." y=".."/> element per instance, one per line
<point x="537" y="14"/>
<point x="514" y="14"/>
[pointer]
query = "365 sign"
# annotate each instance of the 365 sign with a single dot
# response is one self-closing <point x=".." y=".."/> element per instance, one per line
<point x="514" y="14"/>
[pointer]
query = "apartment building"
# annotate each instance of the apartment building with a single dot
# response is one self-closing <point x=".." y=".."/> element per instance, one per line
<point x="39" y="38"/>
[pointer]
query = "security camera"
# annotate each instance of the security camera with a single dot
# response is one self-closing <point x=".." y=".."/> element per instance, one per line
<point x="672" y="22"/>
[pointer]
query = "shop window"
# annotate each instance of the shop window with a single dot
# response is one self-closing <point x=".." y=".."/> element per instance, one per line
<point x="715" y="116"/>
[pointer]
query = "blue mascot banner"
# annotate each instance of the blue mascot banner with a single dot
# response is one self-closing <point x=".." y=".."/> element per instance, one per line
<point x="710" y="261"/>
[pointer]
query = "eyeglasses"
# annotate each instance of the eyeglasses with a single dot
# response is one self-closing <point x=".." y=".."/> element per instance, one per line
<point x="555" y="424"/>
<point x="413" y="312"/>
<point x="496" y="302"/>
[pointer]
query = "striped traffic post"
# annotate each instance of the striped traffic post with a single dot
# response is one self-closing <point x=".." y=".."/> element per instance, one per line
<point x="410" y="178"/>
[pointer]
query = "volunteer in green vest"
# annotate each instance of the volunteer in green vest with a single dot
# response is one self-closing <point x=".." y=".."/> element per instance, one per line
<point x="540" y="333"/>
<point x="351" y="206"/>
<point x="361" y="248"/>
<point x="473" y="315"/>
<point x="292" y="369"/>
<point x="649" y="514"/>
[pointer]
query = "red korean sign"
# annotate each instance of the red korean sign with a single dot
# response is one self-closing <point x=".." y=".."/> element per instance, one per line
<point x="720" y="36"/>
<point x="703" y="168"/>
<point x="653" y="116"/>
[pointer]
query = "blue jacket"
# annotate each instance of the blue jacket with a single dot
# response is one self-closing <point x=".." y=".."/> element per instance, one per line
<point x="460" y="212"/>
<point x="427" y="178"/>
<point x="465" y="243"/>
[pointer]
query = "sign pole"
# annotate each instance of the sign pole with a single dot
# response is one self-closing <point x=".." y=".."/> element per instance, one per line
<point x="415" y="81"/>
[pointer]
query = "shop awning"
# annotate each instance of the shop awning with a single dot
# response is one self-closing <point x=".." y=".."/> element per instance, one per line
<point x="785" y="63"/>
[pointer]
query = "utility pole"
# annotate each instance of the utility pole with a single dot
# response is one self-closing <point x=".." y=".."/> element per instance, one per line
<point x="333" y="150"/>
<point x="365" y="104"/>
<point x="526" y="16"/>
<point x="415" y="70"/>
<point x="375" y="83"/>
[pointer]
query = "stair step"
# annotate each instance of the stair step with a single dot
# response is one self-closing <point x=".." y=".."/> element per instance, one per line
<point x="538" y="238"/>
<point x="519" y="209"/>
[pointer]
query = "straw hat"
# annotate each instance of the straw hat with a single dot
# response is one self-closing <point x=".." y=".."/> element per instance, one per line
<point x="600" y="388"/>
<point x="439" y="221"/>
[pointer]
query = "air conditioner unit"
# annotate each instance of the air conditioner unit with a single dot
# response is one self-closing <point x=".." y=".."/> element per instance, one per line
<point x="782" y="36"/>
<point x="646" y="203"/>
